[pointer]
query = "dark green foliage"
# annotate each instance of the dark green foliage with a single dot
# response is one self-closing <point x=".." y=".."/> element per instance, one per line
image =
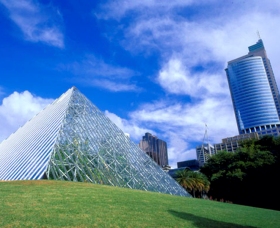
<point x="193" y="182"/>
<point x="249" y="176"/>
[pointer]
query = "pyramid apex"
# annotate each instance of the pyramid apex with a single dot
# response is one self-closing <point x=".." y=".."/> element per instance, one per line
<point x="73" y="140"/>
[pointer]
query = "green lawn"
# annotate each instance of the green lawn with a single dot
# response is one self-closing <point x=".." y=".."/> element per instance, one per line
<point x="70" y="204"/>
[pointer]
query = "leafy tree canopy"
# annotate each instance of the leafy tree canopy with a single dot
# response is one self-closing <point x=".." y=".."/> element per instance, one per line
<point x="247" y="176"/>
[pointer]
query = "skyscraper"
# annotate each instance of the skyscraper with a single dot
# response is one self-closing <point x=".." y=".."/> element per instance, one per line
<point x="155" y="148"/>
<point x="254" y="92"/>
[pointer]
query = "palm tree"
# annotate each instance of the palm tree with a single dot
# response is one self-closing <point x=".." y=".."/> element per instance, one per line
<point x="184" y="180"/>
<point x="193" y="181"/>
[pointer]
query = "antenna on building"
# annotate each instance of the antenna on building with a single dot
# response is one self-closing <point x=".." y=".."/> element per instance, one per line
<point x="205" y="150"/>
<point x="258" y="34"/>
<point x="206" y="134"/>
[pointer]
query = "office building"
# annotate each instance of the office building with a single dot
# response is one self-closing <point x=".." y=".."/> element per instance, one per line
<point x="254" y="92"/>
<point x="193" y="164"/>
<point x="155" y="148"/>
<point x="231" y="144"/>
<point x="71" y="139"/>
<point x="204" y="152"/>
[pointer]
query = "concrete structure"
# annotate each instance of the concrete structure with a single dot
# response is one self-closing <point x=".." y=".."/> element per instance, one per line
<point x="254" y="92"/>
<point x="231" y="144"/>
<point x="71" y="139"/>
<point x="204" y="152"/>
<point x="155" y="148"/>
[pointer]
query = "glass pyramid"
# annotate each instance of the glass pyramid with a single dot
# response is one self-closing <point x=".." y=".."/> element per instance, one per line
<point x="73" y="140"/>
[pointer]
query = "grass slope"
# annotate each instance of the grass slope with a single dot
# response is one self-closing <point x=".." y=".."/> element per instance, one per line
<point x="69" y="204"/>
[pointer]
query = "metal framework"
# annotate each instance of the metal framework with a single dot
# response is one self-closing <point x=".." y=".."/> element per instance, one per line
<point x="206" y="150"/>
<point x="73" y="140"/>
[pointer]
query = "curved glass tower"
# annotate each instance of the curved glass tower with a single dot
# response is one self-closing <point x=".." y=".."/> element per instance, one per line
<point x="254" y="91"/>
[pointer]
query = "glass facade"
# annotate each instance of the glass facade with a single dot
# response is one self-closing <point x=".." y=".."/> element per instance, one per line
<point x="204" y="152"/>
<point x="252" y="91"/>
<point x="155" y="148"/>
<point x="191" y="164"/>
<point x="73" y="140"/>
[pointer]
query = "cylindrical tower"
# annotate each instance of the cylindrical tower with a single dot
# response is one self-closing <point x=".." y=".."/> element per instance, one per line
<point x="251" y="94"/>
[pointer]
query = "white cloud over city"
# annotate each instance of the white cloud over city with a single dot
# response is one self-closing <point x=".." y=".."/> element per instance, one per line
<point x="190" y="43"/>
<point x="184" y="44"/>
<point x="17" y="108"/>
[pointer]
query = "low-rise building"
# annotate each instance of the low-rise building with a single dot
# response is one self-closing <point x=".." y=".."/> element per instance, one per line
<point x="191" y="164"/>
<point x="231" y="144"/>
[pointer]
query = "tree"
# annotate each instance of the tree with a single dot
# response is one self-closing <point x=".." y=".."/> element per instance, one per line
<point x="247" y="176"/>
<point x="193" y="181"/>
<point x="184" y="180"/>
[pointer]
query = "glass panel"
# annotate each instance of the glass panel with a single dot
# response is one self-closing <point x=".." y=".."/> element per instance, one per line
<point x="90" y="148"/>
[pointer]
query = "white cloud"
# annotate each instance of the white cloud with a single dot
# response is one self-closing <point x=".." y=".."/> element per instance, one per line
<point x="114" y="86"/>
<point x="200" y="42"/>
<point x="188" y="120"/>
<point x="133" y="130"/>
<point x="95" y="66"/>
<point x="181" y="125"/>
<point x="119" y="8"/>
<point x="175" y="78"/>
<point x="37" y="23"/>
<point x="211" y="34"/>
<point x="96" y="72"/>
<point x="194" y="40"/>
<point x="177" y="149"/>
<point x="18" y="108"/>
<point x="176" y="144"/>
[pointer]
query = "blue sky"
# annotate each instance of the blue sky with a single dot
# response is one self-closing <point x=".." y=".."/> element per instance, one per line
<point x="150" y="66"/>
